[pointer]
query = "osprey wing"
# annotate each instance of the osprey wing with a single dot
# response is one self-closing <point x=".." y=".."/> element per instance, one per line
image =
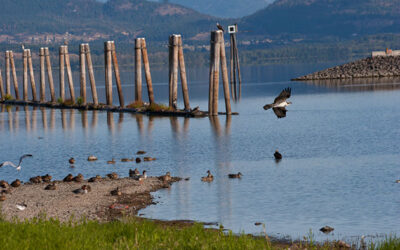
<point x="285" y="94"/>
<point x="280" y="112"/>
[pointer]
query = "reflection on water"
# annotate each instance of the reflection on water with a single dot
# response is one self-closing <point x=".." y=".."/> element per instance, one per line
<point x="338" y="146"/>
<point x="360" y="84"/>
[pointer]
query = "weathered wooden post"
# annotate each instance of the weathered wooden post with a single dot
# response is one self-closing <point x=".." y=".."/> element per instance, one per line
<point x="50" y="74"/>
<point x="42" y="76"/>
<point x="225" y="79"/>
<point x="175" y="56"/>
<point x="14" y="74"/>
<point x="235" y="63"/>
<point x="82" y="70"/>
<point x="232" y="67"/>
<point x="147" y="71"/>
<point x="117" y="75"/>
<point x="69" y="74"/>
<point x="214" y="73"/>
<point x="1" y="86"/>
<point x="138" y="70"/>
<point x="32" y="76"/>
<point x="91" y="75"/>
<point x="108" y="71"/>
<point x="182" y="67"/>
<point x="25" y="75"/>
<point x="62" y="74"/>
<point x="8" y="78"/>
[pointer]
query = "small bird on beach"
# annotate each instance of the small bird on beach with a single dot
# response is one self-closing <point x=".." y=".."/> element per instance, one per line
<point x="208" y="178"/>
<point x="8" y="163"/>
<point x="141" y="177"/>
<point x="280" y="103"/>
<point x="113" y="176"/>
<point x="166" y="177"/>
<point x="16" y="183"/>
<point x="134" y="173"/>
<point x="233" y="176"/>
<point x="219" y="26"/>
<point x="68" y="178"/>
<point x="277" y="155"/>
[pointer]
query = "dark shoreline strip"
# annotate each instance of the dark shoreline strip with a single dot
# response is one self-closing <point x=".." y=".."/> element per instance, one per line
<point x="103" y="107"/>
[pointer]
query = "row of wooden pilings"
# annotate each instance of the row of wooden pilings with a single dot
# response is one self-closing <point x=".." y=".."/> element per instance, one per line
<point x="176" y="63"/>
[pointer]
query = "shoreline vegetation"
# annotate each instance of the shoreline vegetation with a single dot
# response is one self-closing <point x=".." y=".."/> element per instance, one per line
<point x="59" y="219"/>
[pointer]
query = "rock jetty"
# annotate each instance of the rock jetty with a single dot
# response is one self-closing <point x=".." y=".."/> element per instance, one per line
<point x="380" y="66"/>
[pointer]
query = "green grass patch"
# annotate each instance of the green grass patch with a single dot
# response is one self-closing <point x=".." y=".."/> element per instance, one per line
<point x="51" y="234"/>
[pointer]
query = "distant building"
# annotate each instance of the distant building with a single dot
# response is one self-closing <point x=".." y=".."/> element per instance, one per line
<point x="387" y="52"/>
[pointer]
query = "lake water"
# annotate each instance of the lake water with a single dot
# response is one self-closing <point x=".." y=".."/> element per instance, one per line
<point x="340" y="146"/>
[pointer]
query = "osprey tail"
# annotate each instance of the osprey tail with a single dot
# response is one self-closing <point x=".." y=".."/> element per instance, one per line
<point x="268" y="106"/>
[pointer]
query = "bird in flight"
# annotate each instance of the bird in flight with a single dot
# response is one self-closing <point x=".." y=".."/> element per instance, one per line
<point x="219" y="26"/>
<point x="9" y="163"/>
<point x="280" y="103"/>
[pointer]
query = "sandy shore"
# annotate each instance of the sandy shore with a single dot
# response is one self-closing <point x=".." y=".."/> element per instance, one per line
<point x="98" y="204"/>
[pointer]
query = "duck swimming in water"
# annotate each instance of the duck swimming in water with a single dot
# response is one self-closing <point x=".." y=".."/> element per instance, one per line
<point x="277" y="155"/>
<point x="208" y="178"/>
<point x="233" y="176"/>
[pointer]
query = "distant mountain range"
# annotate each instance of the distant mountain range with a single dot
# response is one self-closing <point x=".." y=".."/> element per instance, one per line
<point x="123" y="20"/>
<point x="224" y="8"/>
<point x="318" y="18"/>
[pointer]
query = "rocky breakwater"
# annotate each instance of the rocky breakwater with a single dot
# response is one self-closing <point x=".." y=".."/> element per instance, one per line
<point x="364" y="68"/>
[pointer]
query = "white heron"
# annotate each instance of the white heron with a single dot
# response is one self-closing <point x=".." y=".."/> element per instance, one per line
<point x="9" y="163"/>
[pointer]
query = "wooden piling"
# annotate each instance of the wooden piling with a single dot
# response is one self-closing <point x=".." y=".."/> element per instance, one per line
<point x="2" y="93"/>
<point x="231" y="65"/>
<point x="14" y="74"/>
<point x="170" y="70"/>
<point x="234" y="66"/>
<point x="225" y="79"/>
<point x="108" y="71"/>
<point x="91" y="74"/>
<point x="211" y="74"/>
<point x="182" y="67"/>
<point x="138" y="70"/>
<point x="69" y="74"/>
<point x="146" y="63"/>
<point x="32" y="76"/>
<point x="42" y="76"/>
<point x="25" y="75"/>
<point x="175" y="56"/>
<point x="237" y="59"/>
<point x="82" y="71"/>
<point x="62" y="73"/>
<point x="50" y="74"/>
<point x="117" y="75"/>
<point x="8" y="78"/>
<point x="216" y="71"/>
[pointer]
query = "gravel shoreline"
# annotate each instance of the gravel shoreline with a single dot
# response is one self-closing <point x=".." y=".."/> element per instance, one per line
<point x="98" y="204"/>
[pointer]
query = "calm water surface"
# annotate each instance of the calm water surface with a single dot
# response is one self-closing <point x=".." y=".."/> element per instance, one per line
<point x="340" y="147"/>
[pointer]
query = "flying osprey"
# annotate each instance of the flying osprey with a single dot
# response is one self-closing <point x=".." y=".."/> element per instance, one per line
<point x="219" y="26"/>
<point x="280" y="103"/>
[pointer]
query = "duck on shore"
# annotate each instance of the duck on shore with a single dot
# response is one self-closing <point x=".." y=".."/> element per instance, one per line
<point x="16" y="183"/>
<point x="36" y="179"/>
<point x="83" y="190"/>
<point x="4" y="184"/>
<point x="51" y="186"/>
<point x="78" y="178"/>
<point x="166" y="177"/>
<point x="116" y="192"/>
<point x="68" y="178"/>
<point x="134" y="173"/>
<point x="46" y="178"/>
<point x="113" y="176"/>
<point x="208" y="178"/>
<point x="237" y="176"/>
<point x="94" y="179"/>
<point x="141" y="177"/>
